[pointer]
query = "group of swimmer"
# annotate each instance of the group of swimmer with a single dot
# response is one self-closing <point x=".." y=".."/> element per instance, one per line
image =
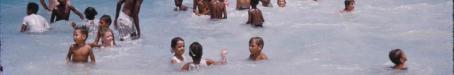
<point x="127" y="24"/>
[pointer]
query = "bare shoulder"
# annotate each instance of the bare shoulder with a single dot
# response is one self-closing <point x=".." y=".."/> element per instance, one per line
<point x="263" y="56"/>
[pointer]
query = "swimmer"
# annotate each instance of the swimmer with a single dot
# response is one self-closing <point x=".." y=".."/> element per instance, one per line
<point x="196" y="52"/>
<point x="398" y="57"/>
<point x="34" y="22"/>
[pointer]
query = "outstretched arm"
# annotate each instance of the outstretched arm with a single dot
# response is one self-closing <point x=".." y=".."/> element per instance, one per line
<point x="222" y="61"/>
<point x="43" y="3"/>
<point x="77" y="12"/>
<point x="92" y="57"/>
<point x="119" y="3"/>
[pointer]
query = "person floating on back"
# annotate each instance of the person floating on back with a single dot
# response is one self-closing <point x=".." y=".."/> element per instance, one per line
<point x="105" y="34"/>
<point x="349" y="6"/>
<point x="256" y="47"/>
<point x="34" y="22"/>
<point x="196" y="52"/>
<point x="62" y="12"/>
<point x="79" y="52"/>
<point x="177" y="48"/>
<point x="398" y="57"/>
<point x="255" y="17"/>
<point x="218" y="9"/>
<point x="179" y="6"/>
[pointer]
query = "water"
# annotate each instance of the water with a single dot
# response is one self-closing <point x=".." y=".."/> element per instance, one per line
<point x="303" y="38"/>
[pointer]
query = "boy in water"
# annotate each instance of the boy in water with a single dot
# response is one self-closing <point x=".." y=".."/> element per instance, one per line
<point x="34" y="22"/>
<point x="177" y="45"/>
<point x="80" y="52"/>
<point x="105" y="33"/>
<point x="218" y="9"/>
<point x="90" y="14"/>
<point x="62" y="11"/>
<point x="255" y="47"/>
<point x="281" y="3"/>
<point x="201" y="7"/>
<point x="180" y="6"/>
<point x="349" y="6"/>
<point x="255" y="15"/>
<point x="196" y="52"/>
<point x="398" y="57"/>
<point x="243" y="4"/>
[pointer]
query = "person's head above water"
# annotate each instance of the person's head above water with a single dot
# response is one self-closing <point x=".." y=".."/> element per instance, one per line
<point x="107" y="19"/>
<point x="196" y="52"/>
<point x="258" y="41"/>
<point x="349" y="5"/>
<point x="90" y="13"/>
<point x="398" y="57"/>
<point x="80" y="34"/>
<point x="176" y="43"/>
<point x="32" y="8"/>
<point x="254" y="3"/>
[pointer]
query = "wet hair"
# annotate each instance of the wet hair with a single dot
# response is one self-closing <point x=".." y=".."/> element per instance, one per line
<point x="106" y="18"/>
<point x="395" y="56"/>
<point x="83" y="29"/>
<point x="178" y="3"/>
<point x="348" y="2"/>
<point x="174" y="42"/>
<point x="90" y="13"/>
<point x="196" y="51"/>
<point x="254" y="3"/>
<point x="259" y="41"/>
<point x="32" y="7"/>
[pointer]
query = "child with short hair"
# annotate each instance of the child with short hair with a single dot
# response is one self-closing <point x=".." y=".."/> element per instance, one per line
<point x="398" y="57"/>
<point x="177" y="45"/>
<point x="196" y="52"/>
<point x="349" y="5"/>
<point x="34" y="22"/>
<point x="255" y="15"/>
<point x="90" y="14"/>
<point x="256" y="47"/>
<point x="281" y="3"/>
<point x="105" y="33"/>
<point x="80" y="52"/>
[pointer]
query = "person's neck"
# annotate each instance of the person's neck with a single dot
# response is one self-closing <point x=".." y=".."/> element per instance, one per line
<point x="180" y="57"/>
<point x="254" y="56"/>
<point x="80" y="44"/>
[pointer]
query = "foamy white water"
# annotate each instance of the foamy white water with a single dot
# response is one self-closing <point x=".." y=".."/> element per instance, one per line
<point x="304" y="38"/>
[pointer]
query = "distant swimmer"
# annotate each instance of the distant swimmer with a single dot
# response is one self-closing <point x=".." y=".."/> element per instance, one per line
<point x="243" y="4"/>
<point x="398" y="57"/>
<point x="63" y="10"/>
<point x="177" y="49"/>
<point x="179" y="6"/>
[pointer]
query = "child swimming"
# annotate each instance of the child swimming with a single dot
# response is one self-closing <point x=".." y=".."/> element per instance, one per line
<point x="349" y="6"/>
<point x="177" y="45"/>
<point x="196" y="52"/>
<point x="256" y="47"/>
<point x="34" y="22"/>
<point x="398" y="57"/>
<point x="105" y="33"/>
<point x="80" y="52"/>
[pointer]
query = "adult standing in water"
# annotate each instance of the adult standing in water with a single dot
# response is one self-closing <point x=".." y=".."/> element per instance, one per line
<point x="52" y="4"/>
<point x="127" y="21"/>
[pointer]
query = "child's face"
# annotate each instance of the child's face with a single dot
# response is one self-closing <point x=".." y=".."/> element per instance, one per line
<point x="109" y="36"/>
<point x="254" y="48"/>
<point x="351" y="5"/>
<point x="103" y="23"/>
<point x="78" y="36"/>
<point x="179" y="49"/>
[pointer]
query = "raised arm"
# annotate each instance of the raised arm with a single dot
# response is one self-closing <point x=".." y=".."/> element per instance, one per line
<point x="43" y="3"/>
<point x="77" y="12"/>
<point x="117" y="12"/>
